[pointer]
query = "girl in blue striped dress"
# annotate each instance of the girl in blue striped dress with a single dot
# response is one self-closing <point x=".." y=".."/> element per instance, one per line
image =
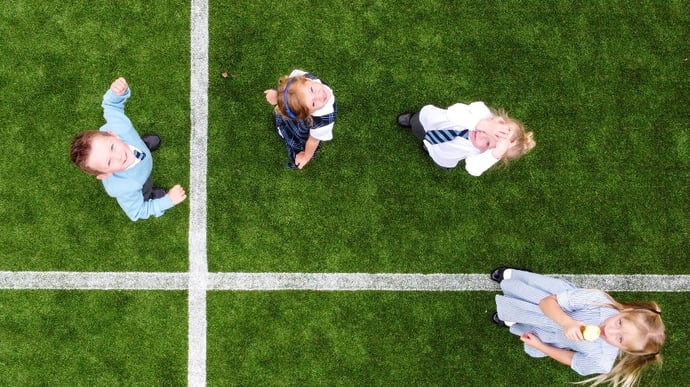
<point x="304" y="115"/>
<point x="549" y="313"/>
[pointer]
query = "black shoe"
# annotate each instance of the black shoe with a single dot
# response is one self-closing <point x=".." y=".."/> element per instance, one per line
<point x="498" y="321"/>
<point x="152" y="141"/>
<point x="497" y="273"/>
<point x="158" y="193"/>
<point x="405" y="119"/>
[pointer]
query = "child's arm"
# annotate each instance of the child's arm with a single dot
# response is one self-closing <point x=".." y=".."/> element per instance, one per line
<point x="114" y="103"/>
<point x="302" y="158"/>
<point x="177" y="194"/>
<point x="133" y="204"/>
<point x="562" y="356"/>
<point x="488" y="126"/>
<point x="571" y="327"/>
<point x="119" y="86"/>
<point x="475" y="165"/>
<point x="468" y="116"/>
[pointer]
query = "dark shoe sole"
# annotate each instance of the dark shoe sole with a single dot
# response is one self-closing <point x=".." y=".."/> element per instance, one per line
<point x="498" y="321"/>
<point x="404" y="120"/>
<point x="497" y="273"/>
<point x="152" y="141"/>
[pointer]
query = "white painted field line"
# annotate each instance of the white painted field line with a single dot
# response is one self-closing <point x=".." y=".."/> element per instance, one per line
<point x="62" y="280"/>
<point x="319" y="281"/>
<point x="198" y="266"/>
<point x="430" y="282"/>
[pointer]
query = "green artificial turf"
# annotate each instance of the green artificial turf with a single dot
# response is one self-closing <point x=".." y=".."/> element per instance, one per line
<point x="603" y="85"/>
<point x="390" y="339"/>
<point x="58" y="59"/>
<point x="93" y="338"/>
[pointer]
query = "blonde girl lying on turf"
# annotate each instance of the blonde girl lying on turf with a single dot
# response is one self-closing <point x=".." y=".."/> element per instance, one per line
<point x="475" y="133"/>
<point x="549" y="314"/>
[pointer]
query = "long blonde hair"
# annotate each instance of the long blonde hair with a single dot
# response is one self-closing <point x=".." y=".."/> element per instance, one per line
<point x="524" y="140"/>
<point x="631" y="362"/>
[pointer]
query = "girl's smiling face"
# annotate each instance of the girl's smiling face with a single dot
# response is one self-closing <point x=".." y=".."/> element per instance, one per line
<point x="482" y="141"/>
<point x="489" y="130"/>
<point x="314" y="95"/>
<point x="621" y="332"/>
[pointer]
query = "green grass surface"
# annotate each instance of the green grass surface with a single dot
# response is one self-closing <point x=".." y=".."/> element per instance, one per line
<point x="58" y="59"/>
<point x="603" y="85"/>
<point x="95" y="338"/>
<point x="389" y="339"/>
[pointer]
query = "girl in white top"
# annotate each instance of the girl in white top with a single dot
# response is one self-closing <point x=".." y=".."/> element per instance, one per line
<point x="491" y="136"/>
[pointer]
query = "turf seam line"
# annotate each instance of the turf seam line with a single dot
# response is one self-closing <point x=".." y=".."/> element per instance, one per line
<point x="198" y="262"/>
<point x="318" y="281"/>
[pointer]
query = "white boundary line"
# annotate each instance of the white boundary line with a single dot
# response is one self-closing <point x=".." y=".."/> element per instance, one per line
<point x="315" y="282"/>
<point x="198" y="265"/>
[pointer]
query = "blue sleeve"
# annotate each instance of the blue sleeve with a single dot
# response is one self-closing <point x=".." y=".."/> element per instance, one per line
<point x="114" y="110"/>
<point x="590" y="363"/>
<point x="136" y="207"/>
<point x="599" y="356"/>
<point x="577" y="299"/>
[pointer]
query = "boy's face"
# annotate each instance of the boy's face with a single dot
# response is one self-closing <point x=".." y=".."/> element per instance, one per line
<point x="109" y="155"/>
<point x="314" y="95"/>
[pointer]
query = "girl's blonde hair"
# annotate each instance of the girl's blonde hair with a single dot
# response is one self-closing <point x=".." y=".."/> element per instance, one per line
<point x="524" y="140"/>
<point x="296" y="108"/>
<point x="646" y="316"/>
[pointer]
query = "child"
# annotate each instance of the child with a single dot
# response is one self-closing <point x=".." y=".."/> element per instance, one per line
<point x="122" y="160"/>
<point x="549" y="313"/>
<point x="304" y="115"/>
<point x="477" y="135"/>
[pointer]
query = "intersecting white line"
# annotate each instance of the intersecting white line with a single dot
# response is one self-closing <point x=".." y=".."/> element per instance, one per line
<point x="198" y="265"/>
<point x="320" y="281"/>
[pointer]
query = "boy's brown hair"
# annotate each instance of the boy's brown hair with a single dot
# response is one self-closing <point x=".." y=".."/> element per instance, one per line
<point x="81" y="149"/>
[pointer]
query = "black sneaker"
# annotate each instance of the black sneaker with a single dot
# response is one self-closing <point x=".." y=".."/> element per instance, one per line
<point x="498" y="321"/>
<point x="497" y="273"/>
<point x="405" y="119"/>
<point x="152" y="141"/>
